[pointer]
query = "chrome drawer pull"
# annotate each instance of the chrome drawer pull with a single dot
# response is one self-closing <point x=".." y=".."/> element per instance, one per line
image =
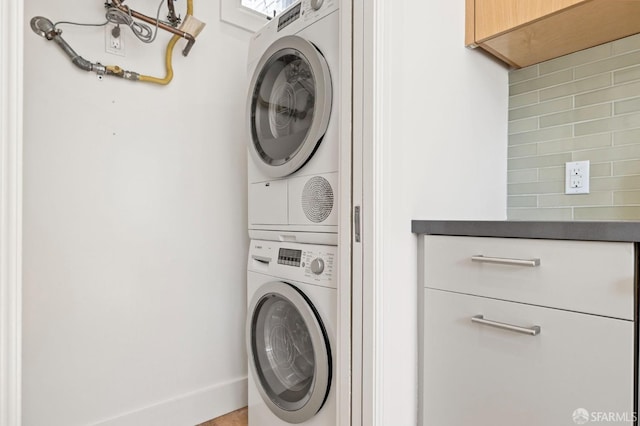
<point x="506" y="260"/>
<point x="533" y="331"/>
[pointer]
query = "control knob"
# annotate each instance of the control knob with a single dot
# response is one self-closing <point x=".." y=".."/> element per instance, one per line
<point x="316" y="4"/>
<point x="317" y="266"/>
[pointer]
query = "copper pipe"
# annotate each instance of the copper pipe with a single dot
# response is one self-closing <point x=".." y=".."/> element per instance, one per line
<point x="191" y="39"/>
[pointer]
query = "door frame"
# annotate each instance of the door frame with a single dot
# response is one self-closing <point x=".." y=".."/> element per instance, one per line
<point x="11" y="95"/>
<point x="344" y="341"/>
<point x="369" y="56"/>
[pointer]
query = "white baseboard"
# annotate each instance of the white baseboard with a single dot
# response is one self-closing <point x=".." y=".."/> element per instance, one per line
<point x="187" y="410"/>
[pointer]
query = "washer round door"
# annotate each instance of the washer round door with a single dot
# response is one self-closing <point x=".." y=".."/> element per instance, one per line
<point x="289" y="106"/>
<point x="289" y="352"/>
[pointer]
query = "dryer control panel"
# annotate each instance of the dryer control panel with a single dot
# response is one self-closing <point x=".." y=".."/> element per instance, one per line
<point x="315" y="9"/>
<point x="291" y="21"/>
<point x="309" y="10"/>
<point x="309" y="263"/>
<point x="289" y="16"/>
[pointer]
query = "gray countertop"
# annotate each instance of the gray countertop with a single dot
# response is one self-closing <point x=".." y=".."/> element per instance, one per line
<point x="587" y="231"/>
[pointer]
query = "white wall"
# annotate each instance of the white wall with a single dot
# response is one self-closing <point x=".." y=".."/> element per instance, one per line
<point x="444" y="157"/>
<point x="134" y="227"/>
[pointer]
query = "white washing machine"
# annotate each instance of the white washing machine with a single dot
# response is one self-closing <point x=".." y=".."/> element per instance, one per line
<point x="292" y="119"/>
<point x="291" y="325"/>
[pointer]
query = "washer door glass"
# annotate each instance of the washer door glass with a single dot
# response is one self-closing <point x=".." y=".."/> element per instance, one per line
<point x="289" y="352"/>
<point x="289" y="105"/>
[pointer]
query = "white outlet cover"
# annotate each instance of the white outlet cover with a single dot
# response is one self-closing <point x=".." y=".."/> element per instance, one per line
<point x="112" y="45"/>
<point x="577" y="177"/>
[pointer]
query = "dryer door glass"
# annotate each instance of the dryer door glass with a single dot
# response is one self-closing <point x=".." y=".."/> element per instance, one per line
<point x="289" y="106"/>
<point x="290" y="354"/>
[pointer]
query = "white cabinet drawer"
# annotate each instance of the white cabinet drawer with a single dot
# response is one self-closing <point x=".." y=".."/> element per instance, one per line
<point x="474" y="374"/>
<point x="582" y="276"/>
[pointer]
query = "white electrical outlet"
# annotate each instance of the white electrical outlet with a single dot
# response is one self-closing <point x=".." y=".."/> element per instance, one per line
<point x="113" y="44"/>
<point x="577" y="177"/>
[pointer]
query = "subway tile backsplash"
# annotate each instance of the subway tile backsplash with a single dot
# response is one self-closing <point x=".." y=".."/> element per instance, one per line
<point x="583" y="106"/>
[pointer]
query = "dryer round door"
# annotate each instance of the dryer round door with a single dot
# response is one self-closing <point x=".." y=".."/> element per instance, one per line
<point x="289" y="105"/>
<point x="289" y="352"/>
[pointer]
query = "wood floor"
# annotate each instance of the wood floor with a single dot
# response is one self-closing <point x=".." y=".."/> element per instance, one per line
<point x="236" y="418"/>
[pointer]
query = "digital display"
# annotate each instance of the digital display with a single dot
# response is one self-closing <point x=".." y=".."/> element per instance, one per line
<point x="289" y="17"/>
<point x="289" y="257"/>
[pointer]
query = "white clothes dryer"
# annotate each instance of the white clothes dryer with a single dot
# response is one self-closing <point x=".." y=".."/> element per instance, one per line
<point x="292" y="122"/>
<point x="291" y="326"/>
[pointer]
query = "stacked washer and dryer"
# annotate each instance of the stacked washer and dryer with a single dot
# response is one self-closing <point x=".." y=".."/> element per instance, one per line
<point x="293" y="216"/>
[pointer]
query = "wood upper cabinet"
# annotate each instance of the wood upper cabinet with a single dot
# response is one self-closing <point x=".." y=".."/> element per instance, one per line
<point x="526" y="32"/>
<point x="497" y="16"/>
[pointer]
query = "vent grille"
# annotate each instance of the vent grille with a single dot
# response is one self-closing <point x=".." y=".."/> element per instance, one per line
<point x="317" y="199"/>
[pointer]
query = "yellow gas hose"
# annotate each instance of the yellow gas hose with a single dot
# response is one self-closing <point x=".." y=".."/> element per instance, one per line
<point x="168" y="57"/>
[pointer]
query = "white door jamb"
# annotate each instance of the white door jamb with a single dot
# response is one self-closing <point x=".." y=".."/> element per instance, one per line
<point x="11" y="44"/>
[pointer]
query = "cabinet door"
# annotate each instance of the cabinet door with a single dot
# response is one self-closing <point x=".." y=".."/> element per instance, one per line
<point x="496" y="16"/>
<point x="475" y="374"/>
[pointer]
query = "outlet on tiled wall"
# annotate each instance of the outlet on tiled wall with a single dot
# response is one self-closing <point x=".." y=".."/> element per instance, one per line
<point x="580" y="107"/>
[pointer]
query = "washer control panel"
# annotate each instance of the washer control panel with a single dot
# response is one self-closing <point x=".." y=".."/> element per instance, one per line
<point x="319" y="263"/>
<point x="289" y="257"/>
<point x="311" y="263"/>
<point x="317" y="266"/>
